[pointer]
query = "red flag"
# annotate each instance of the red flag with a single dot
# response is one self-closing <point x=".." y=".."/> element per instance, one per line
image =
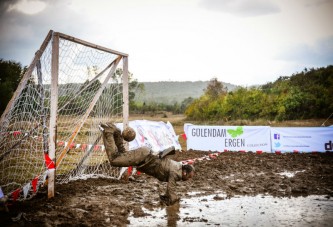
<point x="96" y="147"/>
<point x="84" y="147"/>
<point x="190" y="161"/>
<point x="16" y="194"/>
<point x="184" y="136"/>
<point x="212" y="156"/>
<point x="16" y="133"/>
<point x="34" y="184"/>
<point x="48" y="162"/>
<point x="129" y="170"/>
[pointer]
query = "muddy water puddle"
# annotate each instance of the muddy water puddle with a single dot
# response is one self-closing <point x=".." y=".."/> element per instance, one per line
<point x="218" y="210"/>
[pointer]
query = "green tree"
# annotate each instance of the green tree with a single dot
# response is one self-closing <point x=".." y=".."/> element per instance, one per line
<point x="210" y="105"/>
<point x="185" y="103"/>
<point x="10" y="75"/>
<point x="134" y="87"/>
<point x="215" y="89"/>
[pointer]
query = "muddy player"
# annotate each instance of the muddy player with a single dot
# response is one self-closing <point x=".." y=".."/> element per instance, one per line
<point x="158" y="166"/>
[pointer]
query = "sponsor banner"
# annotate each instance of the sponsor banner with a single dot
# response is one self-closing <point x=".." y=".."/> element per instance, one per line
<point x="307" y="139"/>
<point x="232" y="138"/>
<point x="158" y="136"/>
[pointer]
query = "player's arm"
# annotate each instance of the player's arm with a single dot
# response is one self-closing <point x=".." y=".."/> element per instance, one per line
<point x="170" y="196"/>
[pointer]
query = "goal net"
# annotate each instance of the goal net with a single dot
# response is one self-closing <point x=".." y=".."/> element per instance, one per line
<point x="49" y="130"/>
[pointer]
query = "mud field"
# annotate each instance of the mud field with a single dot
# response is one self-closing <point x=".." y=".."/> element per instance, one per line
<point x="231" y="189"/>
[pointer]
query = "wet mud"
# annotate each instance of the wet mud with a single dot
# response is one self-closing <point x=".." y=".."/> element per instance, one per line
<point x="232" y="188"/>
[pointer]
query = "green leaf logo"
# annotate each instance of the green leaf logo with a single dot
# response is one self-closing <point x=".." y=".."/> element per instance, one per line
<point x="237" y="132"/>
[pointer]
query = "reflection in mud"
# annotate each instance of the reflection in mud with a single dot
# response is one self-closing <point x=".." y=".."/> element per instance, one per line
<point x="172" y="214"/>
<point x="241" y="211"/>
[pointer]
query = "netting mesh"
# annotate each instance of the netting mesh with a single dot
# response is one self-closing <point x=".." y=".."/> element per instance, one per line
<point x="24" y="139"/>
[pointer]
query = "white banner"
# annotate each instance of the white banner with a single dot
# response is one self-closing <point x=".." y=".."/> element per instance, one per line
<point x="307" y="139"/>
<point x="233" y="138"/>
<point x="156" y="135"/>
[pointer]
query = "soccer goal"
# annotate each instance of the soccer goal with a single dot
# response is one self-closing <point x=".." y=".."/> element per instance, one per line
<point x="49" y="131"/>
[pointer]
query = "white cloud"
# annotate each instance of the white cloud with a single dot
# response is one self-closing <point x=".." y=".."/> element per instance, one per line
<point x="242" y="42"/>
<point x="318" y="54"/>
<point x="243" y="8"/>
<point x="28" y="7"/>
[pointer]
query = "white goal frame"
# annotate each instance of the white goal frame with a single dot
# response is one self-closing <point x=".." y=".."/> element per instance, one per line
<point x="53" y="38"/>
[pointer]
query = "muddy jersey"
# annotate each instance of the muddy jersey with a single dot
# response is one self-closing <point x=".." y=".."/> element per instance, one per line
<point x="162" y="169"/>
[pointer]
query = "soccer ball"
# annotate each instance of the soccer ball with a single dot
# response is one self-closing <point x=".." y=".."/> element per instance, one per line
<point x="128" y="134"/>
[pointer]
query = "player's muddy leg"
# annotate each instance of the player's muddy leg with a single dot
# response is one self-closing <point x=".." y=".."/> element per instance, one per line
<point x="108" y="140"/>
<point x="119" y="141"/>
<point x="132" y="158"/>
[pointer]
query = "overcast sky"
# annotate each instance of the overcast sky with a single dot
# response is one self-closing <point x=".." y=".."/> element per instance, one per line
<point x="243" y="42"/>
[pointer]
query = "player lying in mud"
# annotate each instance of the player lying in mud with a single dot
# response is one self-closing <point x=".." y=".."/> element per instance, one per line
<point x="158" y="166"/>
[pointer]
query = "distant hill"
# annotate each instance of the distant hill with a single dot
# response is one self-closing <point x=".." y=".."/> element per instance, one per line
<point x="169" y="92"/>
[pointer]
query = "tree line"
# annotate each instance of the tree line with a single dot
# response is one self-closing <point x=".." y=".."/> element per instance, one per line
<point x="304" y="95"/>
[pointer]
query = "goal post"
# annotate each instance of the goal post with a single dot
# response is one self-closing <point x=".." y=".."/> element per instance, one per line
<point x="52" y="140"/>
<point x="49" y="130"/>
